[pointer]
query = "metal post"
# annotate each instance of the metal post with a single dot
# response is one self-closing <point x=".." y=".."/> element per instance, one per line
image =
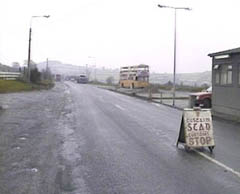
<point x="29" y="55"/>
<point x="47" y="72"/>
<point x="86" y="70"/>
<point x="95" y="73"/>
<point x="47" y="64"/>
<point x="175" y="45"/>
<point x="161" y="96"/>
<point x="150" y="93"/>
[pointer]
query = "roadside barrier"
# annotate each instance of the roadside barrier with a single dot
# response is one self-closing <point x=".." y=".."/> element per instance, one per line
<point x="9" y="75"/>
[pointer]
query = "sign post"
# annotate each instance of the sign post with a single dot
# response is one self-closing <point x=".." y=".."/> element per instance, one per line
<point x="196" y="129"/>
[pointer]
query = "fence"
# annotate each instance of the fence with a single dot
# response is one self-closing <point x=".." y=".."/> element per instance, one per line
<point x="162" y="96"/>
<point x="166" y="97"/>
<point x="10" y="75"/>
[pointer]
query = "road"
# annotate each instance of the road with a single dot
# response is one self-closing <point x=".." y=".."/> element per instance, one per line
<point x="81" y="139"/>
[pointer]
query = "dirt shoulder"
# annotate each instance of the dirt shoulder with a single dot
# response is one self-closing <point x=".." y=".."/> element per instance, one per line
<point x="31" y="142"/>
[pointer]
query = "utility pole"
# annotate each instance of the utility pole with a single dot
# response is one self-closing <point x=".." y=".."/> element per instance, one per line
<point x="95" y="73"/>
<point x="29" y="55"/>
<point x="47" y="70"/>
<point x="175" y="54"/>
<point x="47" y="64"/>
<point x="29" y="45"/>
<point x="86" y="70"/>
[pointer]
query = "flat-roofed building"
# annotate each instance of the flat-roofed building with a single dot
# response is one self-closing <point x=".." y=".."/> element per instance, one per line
<point x="226" y="83"/>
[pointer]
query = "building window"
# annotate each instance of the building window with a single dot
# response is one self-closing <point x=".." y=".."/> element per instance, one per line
<point x="226" y="74"/>
<point x="223" y="74"/>
<point x="229" y="76"/>
<point x="217" y="74"/>
<point x="217" y="81"/>
<point x="239" y="74"/>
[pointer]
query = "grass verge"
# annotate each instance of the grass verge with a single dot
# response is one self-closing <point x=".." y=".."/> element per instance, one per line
<point x="8" y="86"/>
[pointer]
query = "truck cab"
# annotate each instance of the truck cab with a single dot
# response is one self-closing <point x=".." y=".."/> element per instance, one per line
<point x="202" y="99"/>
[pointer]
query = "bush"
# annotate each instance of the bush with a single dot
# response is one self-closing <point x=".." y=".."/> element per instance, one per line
<point x="110" y="80"/>
<point x="35" y="76"/>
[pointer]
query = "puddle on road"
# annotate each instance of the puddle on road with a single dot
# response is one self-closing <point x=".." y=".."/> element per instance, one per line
<point x="67" y="92"/>
<point x="34" y="170"/>
<point x="15" y="165"/>
<point x="4" y="106"/>
<point x="16" y="148"/>
<point x="22" y="138"/>
<point x="17" y="169"/>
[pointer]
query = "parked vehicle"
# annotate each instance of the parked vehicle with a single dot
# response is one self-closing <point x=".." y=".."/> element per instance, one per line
<point x="82" y="79"/>
<point x="202" y="99"/>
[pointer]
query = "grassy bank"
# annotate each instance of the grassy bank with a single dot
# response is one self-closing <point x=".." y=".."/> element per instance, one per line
<point x="7" y="86"/>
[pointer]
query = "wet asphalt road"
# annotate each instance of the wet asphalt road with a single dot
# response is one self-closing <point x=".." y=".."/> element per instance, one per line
<point x="81" y="139"/>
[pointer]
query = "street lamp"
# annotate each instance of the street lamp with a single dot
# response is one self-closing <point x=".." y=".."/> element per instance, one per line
<point x="29" y="44"/>
<point x="175" y="43"/>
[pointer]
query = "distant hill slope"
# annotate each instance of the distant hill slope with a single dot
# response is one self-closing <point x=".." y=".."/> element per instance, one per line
<point x="58" y="67"/>
<point x="102" y="74"/>
<point x="6" y="68"/>
<point x="192" y="79"/>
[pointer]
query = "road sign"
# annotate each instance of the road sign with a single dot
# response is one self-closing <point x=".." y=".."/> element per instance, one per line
<point x="196" y="128"/>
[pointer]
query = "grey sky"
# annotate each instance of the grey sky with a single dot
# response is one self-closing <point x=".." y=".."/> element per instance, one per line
<point x="119" y="32"/>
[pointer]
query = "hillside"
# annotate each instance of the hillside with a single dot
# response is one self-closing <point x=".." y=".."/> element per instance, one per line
<point x="102" y="74"/>
<point x="192" y="79"/>
<point x="6" y="68"/>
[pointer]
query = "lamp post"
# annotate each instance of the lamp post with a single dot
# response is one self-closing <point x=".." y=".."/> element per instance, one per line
<point x="175" y="44"/>
<point x="29" y="44"/>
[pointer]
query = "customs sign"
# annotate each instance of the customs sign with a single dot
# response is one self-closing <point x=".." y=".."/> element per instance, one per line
<point x="196" y="128"/>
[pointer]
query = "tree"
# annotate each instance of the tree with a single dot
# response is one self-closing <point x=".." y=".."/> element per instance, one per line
<point x="169" y="83"/>
<point x="46" y="74"/>
<point x="110" y="80"/>
<point x="35" y="75"/>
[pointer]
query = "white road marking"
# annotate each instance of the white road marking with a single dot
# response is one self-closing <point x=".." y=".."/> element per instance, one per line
<point x="218" y="163"/>
<point x="156" y="104"/>
<point x="118" y="106"/>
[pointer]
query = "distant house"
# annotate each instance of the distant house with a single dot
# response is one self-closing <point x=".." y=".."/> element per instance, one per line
<point x="226" y="83"/>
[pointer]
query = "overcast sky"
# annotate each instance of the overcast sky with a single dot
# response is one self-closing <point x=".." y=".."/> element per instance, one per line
<point x="119" y="32"/>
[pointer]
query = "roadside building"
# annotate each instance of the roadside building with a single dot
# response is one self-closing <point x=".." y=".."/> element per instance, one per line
<point x="226" y="83"/>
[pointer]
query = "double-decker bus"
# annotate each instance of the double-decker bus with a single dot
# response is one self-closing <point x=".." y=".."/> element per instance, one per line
<point x="134" y="76"/>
